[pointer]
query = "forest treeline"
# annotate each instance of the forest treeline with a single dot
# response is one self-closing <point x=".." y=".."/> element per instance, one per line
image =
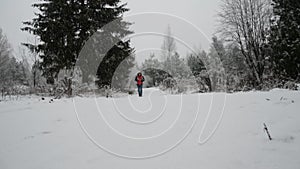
<point x="256" y="46"/>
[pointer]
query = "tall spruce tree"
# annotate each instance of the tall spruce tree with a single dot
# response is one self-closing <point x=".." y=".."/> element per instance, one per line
<point x="63" y="27"/>
<point x="107" y="70"/>
<point x="285" y="39"/>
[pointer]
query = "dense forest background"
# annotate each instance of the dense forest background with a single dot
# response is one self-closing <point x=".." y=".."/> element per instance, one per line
<point x="256" y="46"/>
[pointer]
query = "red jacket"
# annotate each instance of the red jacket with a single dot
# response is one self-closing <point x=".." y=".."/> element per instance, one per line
<point x="139" y="79"/>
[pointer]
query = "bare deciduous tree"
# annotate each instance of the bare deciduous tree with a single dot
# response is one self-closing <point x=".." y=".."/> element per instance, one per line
<point x="246" y="22"/>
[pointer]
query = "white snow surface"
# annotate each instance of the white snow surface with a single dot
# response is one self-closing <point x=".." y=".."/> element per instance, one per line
<point x="157" y="131"/>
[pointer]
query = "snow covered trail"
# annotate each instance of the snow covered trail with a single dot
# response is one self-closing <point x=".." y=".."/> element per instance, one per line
<point x="155" y="131"/>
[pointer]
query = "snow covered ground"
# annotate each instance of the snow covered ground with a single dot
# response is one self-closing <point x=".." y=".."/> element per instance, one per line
<point x="192" y="131"/>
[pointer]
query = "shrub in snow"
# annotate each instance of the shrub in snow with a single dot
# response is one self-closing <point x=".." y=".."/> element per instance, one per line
<point x="290" y="85"/>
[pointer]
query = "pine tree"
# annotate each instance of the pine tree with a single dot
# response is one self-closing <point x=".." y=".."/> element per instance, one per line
<point x="175" y="66"/>
<point x="199" y="70"/>
<point x="111" y="62"/>
<point x="152" y="62"/>
<point x="233" y="62"/>
<point x="152" y="69"/>
<point x="237" y="73"/>
<point x="215" y="67"/>
<point x="63" y="27"/>
<point x="284" y="39"/>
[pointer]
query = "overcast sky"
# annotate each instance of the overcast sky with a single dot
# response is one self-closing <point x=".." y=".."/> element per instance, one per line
<point x="192" y="22"/>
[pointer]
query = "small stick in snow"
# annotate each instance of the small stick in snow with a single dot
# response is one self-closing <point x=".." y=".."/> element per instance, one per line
<point x="267" y="131"/>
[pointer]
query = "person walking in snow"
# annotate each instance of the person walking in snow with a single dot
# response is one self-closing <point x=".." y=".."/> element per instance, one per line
<point x="139" y="82"/>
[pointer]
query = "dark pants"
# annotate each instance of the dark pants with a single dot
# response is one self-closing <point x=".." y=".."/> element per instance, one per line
<point x="140" y="90"/>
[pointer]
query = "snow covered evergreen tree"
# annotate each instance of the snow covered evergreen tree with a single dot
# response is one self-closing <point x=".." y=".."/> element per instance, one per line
<point x="111" y="62"/>
<point x="63" y="27"/>
<point x="4" y="59"/>
<point x="215" y="67"/>
<point x="232" y="60"/>
<point x="12" y="71"/>
<point x="151" y="68"/>
<point x="285" y="39"/>
<point x="237" y="74"/>
<point x="176" y="66"/>
<point x="199" y="70"/>
<point x="151" y="62"/>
